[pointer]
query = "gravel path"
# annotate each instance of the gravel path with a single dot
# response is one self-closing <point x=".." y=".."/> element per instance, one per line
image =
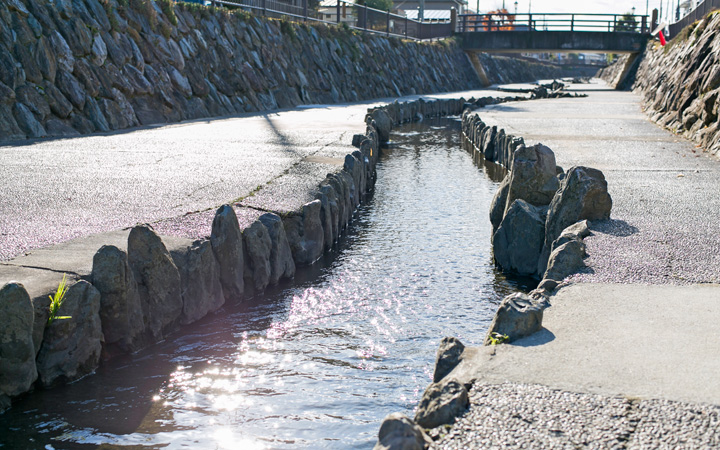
<point x="536" y="417"/>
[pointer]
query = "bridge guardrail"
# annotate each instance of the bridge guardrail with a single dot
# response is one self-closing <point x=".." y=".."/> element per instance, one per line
<point x="700" y="11"/>
<point x="357" y="17"/>
<point x="554" y="22"/>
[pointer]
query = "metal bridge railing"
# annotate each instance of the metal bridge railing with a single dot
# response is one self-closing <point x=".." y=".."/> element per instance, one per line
<point x="358" y="17"/>
<point x="554" y="22"/>
<point x="700" y="11"/>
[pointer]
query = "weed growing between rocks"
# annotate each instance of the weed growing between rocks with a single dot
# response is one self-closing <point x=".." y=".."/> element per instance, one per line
<point x="682" y="36"/>
<point x="287" y="29"/>
<point x="497" y="338"/>
<point x="168" y="8"/>
<point x="57" y="300"/>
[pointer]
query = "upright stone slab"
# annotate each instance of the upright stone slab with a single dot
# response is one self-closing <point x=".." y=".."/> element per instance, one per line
<point x="449" y="355"/>
<point x="565" y="260"/>
<point x="518" y="241"/>
<point x="305" y="233"/>
<point x="281" y="261"/>
<point x="258" y="246"/>
<point x="334" y="209"/>
<point x="583" y="194"/>
<point x="497" y="207"/>
<point x="199" y="277"/>
<point x="120" y="309"/>
<point x="326" y="218"/>
<point x="227" y="243"/>
<point x="71" y="347"/>
<point x="158" y="280"/>
<point x="533" y="177"/>
<point x="383" y="121"/>
<point x="17" y="351"/>
<point x="343" y="199"/>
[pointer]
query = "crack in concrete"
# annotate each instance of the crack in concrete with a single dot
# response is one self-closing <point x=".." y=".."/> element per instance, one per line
<point x="75" y="274"/>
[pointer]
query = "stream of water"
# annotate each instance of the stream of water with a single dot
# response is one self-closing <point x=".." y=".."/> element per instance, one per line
<point x="319" y="362"/>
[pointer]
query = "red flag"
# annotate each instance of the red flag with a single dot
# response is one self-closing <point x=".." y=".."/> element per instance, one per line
<point x="662" y="38"/>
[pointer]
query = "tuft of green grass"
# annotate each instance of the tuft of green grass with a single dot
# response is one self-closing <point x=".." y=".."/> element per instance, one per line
<point x="497" y="338"/>
<point x="288" y="29"/>
<point x="57" y="300"/>
<point x="168" y="8"/>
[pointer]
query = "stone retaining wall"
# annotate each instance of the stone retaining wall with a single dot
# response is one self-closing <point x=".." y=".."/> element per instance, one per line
<point x="680" y="83"/>
<point x="140" y="291"/>
<point x="73" y="67"/>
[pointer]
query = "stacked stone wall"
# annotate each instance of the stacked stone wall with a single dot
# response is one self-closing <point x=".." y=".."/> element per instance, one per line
<point x="680" y="83"/>
<point x="73" y="67"/>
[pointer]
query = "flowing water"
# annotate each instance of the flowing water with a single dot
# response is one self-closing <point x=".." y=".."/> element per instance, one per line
<point x="319" y="362"/>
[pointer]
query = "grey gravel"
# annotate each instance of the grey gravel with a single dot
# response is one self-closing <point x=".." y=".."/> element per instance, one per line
<point x="536" y="417"/>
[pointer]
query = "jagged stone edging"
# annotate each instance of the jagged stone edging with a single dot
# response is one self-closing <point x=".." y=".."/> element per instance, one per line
<point x="136" y="296"/>
<point x="559" y="252"/>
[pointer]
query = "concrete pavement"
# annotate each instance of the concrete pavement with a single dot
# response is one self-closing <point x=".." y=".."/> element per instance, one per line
<point x="628" y="357"/>
<point x="55" y="190"/>
<point x="636" y="341"/>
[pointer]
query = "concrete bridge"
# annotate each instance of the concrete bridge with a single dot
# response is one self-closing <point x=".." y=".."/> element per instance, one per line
<point x="556" y="33"/>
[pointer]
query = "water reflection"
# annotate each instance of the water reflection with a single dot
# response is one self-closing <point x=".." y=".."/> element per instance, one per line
<point x="315" y="364"/>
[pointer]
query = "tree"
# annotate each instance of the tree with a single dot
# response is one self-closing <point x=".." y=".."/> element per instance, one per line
<point x="626" y="23"/>
<point x="375" y="20"/>
<point x="383" y="5"/>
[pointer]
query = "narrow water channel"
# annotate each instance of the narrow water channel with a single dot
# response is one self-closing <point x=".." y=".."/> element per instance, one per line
<point x="320" y="362"/>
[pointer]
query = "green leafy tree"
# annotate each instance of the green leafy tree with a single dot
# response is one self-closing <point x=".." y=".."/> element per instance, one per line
<point x="383" y="5"/>
<point x="375" y="20"/>
<point x="626" y="23"/>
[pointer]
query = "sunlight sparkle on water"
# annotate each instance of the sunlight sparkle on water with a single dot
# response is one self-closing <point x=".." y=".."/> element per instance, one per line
<point x="226" y="439"/>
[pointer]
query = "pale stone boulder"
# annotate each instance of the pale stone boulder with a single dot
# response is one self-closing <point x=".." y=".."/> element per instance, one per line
<point x="533" y="177"/>
<point x="583" y="195"/>
<point x="398" y="432"/>
<point x="441" y="403"/>
<point x="518" y="316"/>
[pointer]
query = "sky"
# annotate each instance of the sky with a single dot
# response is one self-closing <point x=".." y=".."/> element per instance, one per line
<point x="582" y="6"/>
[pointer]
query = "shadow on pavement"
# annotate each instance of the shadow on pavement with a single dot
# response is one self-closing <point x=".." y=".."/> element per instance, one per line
<point x="542" y="337"/>
<point x="613" y="227"/>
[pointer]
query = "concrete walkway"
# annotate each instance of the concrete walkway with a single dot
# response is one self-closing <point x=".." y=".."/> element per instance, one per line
<point x="55" y="190"/>
<point x="628" y="357"/>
